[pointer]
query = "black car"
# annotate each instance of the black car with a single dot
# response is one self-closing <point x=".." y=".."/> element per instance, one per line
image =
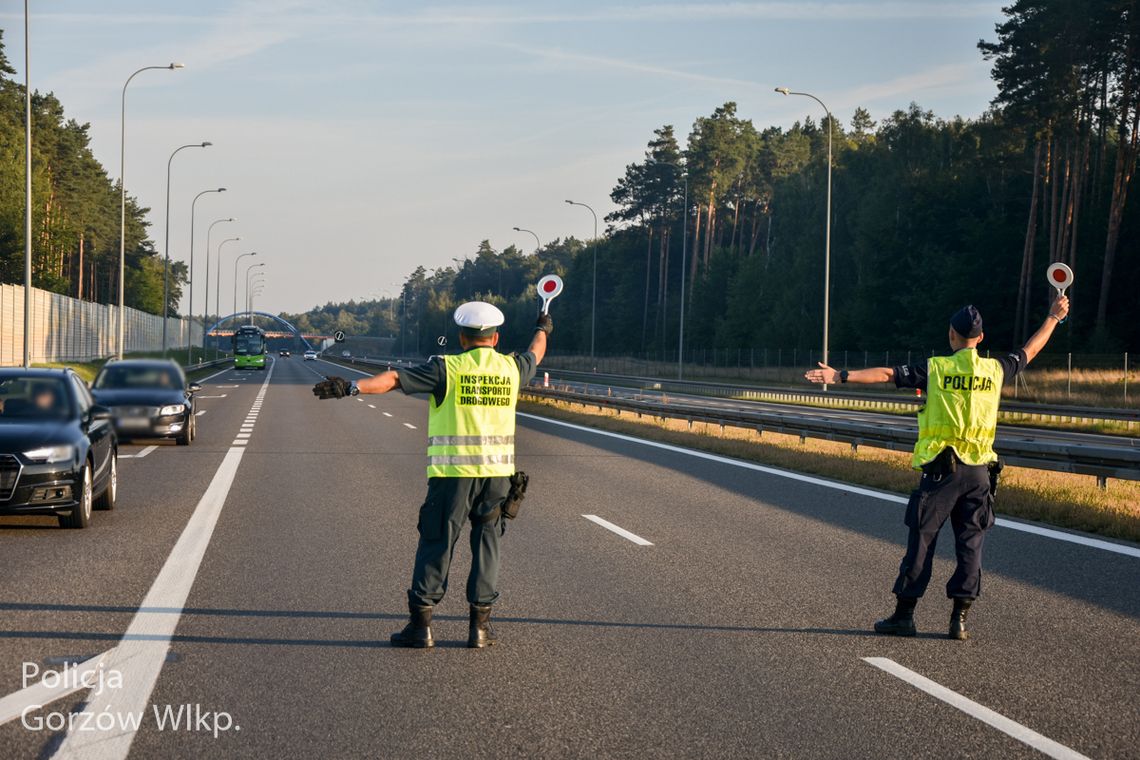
<point x="58" y="450"/>
<point x="148" y="398"/>
<point x="284" y="354"/>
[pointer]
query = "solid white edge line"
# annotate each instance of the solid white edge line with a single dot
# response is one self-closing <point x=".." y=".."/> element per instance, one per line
<point x="1023" y="734"/>
<point x="1004" y="522"/>
<point x="37" y="695"/>
<point x="619" y="530"/>
<point x="142" y="651"/>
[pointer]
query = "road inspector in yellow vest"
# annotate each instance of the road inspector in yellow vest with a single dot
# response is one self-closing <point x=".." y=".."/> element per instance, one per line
<point x="471" y="462"/>
<point x="955" y="452"/>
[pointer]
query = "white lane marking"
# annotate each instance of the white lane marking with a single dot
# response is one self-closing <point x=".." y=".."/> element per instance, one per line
<point x="386" y="414"/>
<point x="14" y="705"/>
<point x="227" y="386"/>
<point x="409" y="425"/>
<point x="243" y="435"/>
<point x="201" y="396"/>
<point x="138" y="454"/>
<point x="619" y="530"/>
<point x="200" y="413"/>
<point x="1004" y="522"/>
<point x="371" y="406"/>
<point x="211" y="377"/>
<point x="141" y="652"/>
<point x="1042" y="744"/>
<point x="239" y="443"/>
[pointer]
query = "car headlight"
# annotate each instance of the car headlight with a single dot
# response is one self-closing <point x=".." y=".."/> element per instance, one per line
<point x="172" y="409"/>
<point x="49" y="454"/>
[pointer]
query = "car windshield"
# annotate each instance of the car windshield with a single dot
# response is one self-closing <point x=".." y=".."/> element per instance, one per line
<point x="33" y="398"/>
<point x="150" y="377"/>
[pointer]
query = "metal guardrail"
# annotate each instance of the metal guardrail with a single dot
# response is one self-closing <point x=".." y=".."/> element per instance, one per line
<point x="1019" y="448"/>
<point x="838" y="398"/>
<point x="207" y="364"/>
<point x="1099" y="460"/>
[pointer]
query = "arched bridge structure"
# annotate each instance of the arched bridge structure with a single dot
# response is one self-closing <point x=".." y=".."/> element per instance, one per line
<point x="218" y="331"/>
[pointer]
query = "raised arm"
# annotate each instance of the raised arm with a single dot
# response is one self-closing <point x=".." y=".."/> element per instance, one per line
<point x="543" y="327"/>
<point x="1057" y="313"/>
<point x="829" y="376"/>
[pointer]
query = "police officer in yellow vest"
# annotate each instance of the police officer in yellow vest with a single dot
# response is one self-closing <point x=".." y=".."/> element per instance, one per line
<point x="955" y="453"/>
<point x="471" y="461"/>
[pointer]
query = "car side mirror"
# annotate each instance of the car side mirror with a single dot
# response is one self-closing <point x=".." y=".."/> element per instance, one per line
<point x="193" y="388"/>
<point x="98" y="412"/>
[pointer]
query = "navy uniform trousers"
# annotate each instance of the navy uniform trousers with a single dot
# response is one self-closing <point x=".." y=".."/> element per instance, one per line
<point x="964" y="497"/>
<point x="450" y="503"/>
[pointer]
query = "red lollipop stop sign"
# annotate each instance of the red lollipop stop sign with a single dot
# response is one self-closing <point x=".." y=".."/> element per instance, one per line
<point x="1060" y="277"/>
<point x="548" y="289"/>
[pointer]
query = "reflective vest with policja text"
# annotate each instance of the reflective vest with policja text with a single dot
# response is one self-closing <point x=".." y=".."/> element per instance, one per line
<point x="963" y="393"/>
<point x="472" y="433"/>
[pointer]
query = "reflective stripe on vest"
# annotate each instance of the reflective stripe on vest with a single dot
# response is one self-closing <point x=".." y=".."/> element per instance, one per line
<point x="963" y="393"/>
<point x="471" y="434"/>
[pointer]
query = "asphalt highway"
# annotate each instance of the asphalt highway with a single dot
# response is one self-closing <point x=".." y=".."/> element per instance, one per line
<point x="705" y="608"/>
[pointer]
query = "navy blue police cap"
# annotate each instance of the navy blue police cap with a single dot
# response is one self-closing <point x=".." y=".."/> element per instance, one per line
<point x="967" y="322"/>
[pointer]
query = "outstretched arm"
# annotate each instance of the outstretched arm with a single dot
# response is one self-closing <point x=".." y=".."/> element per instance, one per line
<point x="1057" y="313"/>
<point x="382" y="383"/>
<point x="829" y="376"/>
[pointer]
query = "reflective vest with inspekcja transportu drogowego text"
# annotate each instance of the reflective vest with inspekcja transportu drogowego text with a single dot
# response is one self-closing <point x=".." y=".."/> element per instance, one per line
<point x="472" y="433"/>
<point x="963" y="393"/>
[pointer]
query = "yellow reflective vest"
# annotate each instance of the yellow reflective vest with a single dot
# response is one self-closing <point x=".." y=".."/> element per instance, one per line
<point x="963" y="393"/>
<point x="471" y="434"/>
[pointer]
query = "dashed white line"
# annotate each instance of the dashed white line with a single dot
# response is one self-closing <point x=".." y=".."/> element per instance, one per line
<point x="1003" y="522"/>
<point x="619" y="530"/>
<point x="371" y="406"/>
<point x="200" y="412"/>
<point x="409" y="425"/>
<point x="386" y="414"/>
<point x="138" y="454"/>
<point x="201" y="396"/>
<point x="1042" y="744"/>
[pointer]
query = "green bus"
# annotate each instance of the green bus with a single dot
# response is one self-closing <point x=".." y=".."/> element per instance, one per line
<point x="249" y="347"/>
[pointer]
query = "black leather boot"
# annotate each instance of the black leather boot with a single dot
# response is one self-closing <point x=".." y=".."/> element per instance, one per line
<point x="902" y="622"/>
<point x="417" y="633"/>
<point x="958" y="619"/>
<point x="480" y="634"/>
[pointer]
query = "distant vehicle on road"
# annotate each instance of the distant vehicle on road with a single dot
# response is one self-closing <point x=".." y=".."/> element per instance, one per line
<point x="249" y="347"/>
<point x="346" y="354"/>
<point x="58" y="449"/>
<point x="148" y="398"/>
<point x="283" y="354"/>
<point x="310" y="356"/>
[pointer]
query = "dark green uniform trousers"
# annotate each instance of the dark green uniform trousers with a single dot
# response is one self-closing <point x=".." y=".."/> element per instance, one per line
<point x="450" y="503"/>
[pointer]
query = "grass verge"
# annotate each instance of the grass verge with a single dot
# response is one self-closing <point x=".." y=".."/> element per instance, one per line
<point x="1060" y="499"/>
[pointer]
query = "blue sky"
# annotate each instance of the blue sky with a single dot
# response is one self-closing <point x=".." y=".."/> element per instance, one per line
<point x="360" y="139"/>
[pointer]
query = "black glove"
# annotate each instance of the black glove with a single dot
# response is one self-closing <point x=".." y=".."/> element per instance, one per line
<point x="544" y="323"/>
<point x="333" y="387"/>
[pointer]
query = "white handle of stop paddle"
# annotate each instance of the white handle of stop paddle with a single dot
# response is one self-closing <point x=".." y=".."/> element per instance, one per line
<point x="549" y="288"/>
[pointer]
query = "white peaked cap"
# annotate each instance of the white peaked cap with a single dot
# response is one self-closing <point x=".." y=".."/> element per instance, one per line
<point x="478" y="315"/>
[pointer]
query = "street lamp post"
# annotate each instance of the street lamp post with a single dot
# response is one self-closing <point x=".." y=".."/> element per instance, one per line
<point x="239" y="258"/>
<point x="218" y="286"/>
<point x="190" y="300"/>
<point x="594" y="292"/>
<point x="166" y="257"/>
<point x="206" y="306"/>
<point x="28" y="191"/>
<point x="249" y="269"/>
<point x="827" y="232"/>
<point x="123" y="200"/>
<point x="537" y="242"/>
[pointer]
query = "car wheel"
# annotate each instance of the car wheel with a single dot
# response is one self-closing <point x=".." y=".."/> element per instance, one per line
<point x="80" y="516"/>
<point x="187" y="435"/>
<point x="106" y="499"/>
